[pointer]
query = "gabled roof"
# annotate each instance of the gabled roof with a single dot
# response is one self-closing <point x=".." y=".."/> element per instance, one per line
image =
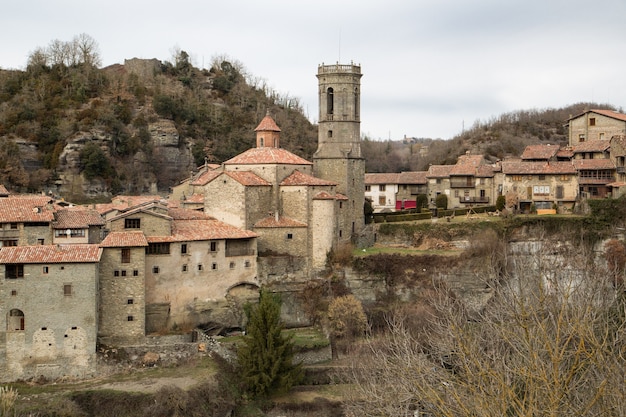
<point x="126" y="201"/>
<point x="323" y="195"/>
<point x="466" y="165"/>
<point x="381" y="178"/>
<point x="140" y="209"/>
<point x="124" y="240"/>
<point x="205" y="178"/>
<point x="272" y="221"/>
<point x="77" y="218"/>
<point x="178" y="213"/>
<point x="26" y="209"/>
<point x="247" y="178"/>
<point x="592" y="146"/>
<point x="49" y="254"/>
<point x="299" y="178"/>
<point x="485" y="171"/>
<point x="208" y="229"/>
<point x="517" y="167"/>
<point x="413" y="177"/>
<point x="3" y="191"/>
<point x="544" y="152"/>
<point x="439" y="171"/>
<point x="267" y="155"/>
<point x="607" y="113"/>
<point x="592" y="164"/>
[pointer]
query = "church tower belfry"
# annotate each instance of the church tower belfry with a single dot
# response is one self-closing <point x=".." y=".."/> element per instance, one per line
<point x="338" y="157"/>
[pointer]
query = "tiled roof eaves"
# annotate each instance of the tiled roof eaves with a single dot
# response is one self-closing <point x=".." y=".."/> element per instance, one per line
<point x="44" y="254"/>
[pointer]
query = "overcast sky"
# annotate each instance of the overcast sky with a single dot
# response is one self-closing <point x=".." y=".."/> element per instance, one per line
<point x="431" y="67"/>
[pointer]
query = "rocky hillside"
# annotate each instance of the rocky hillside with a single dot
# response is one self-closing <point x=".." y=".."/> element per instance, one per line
<point x="86" y="133"/>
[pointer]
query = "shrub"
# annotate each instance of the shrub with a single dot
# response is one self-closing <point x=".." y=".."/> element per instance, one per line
<point x="441" y="201"/>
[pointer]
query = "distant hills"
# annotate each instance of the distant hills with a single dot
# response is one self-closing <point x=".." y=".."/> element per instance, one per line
<point x="88" y="133"/>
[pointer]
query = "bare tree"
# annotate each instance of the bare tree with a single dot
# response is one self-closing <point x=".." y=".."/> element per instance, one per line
<point x="549" y="343"/>
<point x="87" y="50"/>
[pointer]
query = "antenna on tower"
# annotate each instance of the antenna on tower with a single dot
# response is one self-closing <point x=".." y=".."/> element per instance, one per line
<point x="339" y="46"/>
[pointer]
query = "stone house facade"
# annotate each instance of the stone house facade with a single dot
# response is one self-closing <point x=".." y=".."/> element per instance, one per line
<point x="592" y="125"/>
<point x="49" y="318"/>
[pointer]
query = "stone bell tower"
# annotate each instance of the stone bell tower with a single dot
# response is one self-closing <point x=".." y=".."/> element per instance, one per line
<point x="338" y="157"/>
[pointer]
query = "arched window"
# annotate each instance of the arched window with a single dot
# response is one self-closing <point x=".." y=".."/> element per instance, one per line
<point x="330" y="100"/>
<point x="15" y="322"/>
<point x="356" y="103"/>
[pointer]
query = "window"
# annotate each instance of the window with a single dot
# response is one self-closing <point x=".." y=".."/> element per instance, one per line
<point x="13" y="226"/>
<point x="125" y="255"/>
<point x="200" y="267"/>
<point x="155" y="269"/>
<point x="15" y="323"/>
<point x="261" y="142"/>
<point x="232" y="265"/>
<point x="247" y="263"/>
<point x="130" y="318"/>
<point x="9" y="242"/>
<point x="72" y="233"/>
<point x="116" y="273"/>
<point x="130" y="301"/>
<point x="184" y="268"/>
<point x="67" y="290"/>
<point x="340" y="233"/>
<point x="483" y="193"/>
<point x="14" y="271"/>
<point x="381" y="200"/>
<point x="559" y="191"/>
<point x="456" y="193"/>
<point x="564" y="177"/>
<point x="516" y="177"/>
<point x="581" y="137"/>
<point x="542" y="177"/>
<point x="132" y="223"/>
<point x="214" y="266"/>
<point x="40" y="241"/>
<point x="438" y="181"/>
<point x="135" y="272"/>
<point x="330" y="133"/>
<point x="183" y="248"/>
<point x="330" y="101"/>
<point x="289" y="236"/>
<point x="341" y="204"/>
<point x="13" y="292"/>
<point x="592" y="121"/>
<point x="45" y="270"/>
<point x="213" y="247"/>
<point x="368" y="188"/>
<point x="123" y="272"/>
<point x="159" y="248"/>
<point x="382" y="187"/>
<point x="602" y="136"/>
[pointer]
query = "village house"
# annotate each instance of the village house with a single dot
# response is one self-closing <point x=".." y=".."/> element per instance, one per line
<point x="593" y="125"/>
<point x="48" y="302"/>
<point x="471" y="182"/>
<point x="411" y="184"/>
<point x="546" y="185"/>
<point x="381" y="190"/>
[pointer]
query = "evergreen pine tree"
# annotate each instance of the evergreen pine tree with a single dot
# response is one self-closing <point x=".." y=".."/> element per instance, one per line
<point x="265" y="358"/>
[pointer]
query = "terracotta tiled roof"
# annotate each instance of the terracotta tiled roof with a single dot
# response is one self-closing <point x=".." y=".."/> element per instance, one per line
<point x="247" y="178"/>
<point x="205" y="178"/>
<point x="537" y="168"/>
<point x="439" y="171"/>
<point x="299" y="178"/>
<point x="586" y="164"/>
<point x="140" y="209"/>
<point x="124" y="240"/>
<point x="485" y="171"/>
<point x="256" y="156"/>
<point x="413" y="177"/>
<point x="341" y="197"/>
<point x="104" y="208"/>
<point x="3" y="190"/>
<point x="20" y="209"/>
<point x="49" y="254"/>
<point x="323" y="195"/>
<point x="135" y="200"/>
<point x="76" y="218"/>
<point x="195" y="198"/>
<point x="545" y="152"/>
<point x="267" y="124"/>
<point x="610" y="113"/>
<point x="592" y="146"/>
<point x="565" y="153"/>
<point x="466" y="165"/>
<point x="187" y="214"/>
<point x="282" y="221"/>
<point x="381" y="178"/>
<point x="208" y="229"/>
<point x="616" y="184"/>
